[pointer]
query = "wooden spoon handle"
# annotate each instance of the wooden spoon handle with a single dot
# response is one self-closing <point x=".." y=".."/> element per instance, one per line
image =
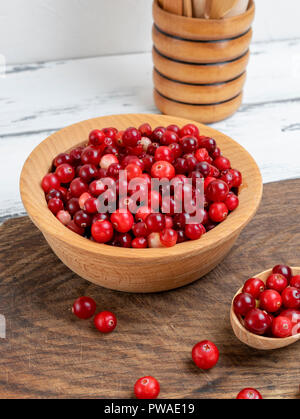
<point x="187" y="8"/>
<point x="173" y="6"/>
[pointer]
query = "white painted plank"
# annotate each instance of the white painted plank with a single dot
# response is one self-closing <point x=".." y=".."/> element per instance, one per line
<point x="40" y="98"/>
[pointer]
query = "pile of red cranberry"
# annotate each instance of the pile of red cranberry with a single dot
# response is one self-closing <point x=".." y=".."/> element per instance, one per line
<point x="271" y="309"/>
<point x="73" y="187"/>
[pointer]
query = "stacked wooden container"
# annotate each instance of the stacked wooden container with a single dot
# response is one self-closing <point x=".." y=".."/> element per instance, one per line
<point x="200" y="64"/>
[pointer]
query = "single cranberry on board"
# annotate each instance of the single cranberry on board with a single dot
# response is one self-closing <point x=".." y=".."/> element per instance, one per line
<point x="249" y="394"/>
<point x="205" y="355"/>
<point x="105" y="322"/>
<point x="147" y="388"/>
<point x="84" y="308"/>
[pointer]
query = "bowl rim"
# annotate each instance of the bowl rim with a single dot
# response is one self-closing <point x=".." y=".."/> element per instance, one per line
<point x="192" y="20"/>
<point x="49" y="224"/>
<point x="239" y="325"/>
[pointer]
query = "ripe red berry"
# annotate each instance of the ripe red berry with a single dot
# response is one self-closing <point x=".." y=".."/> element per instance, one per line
<point x="78" y="187"/>
<point x="189" y="144"/>
<point x="218" y="212"/>
<point x="139" y="243"/>
<point x="222" y="163"/>
<point x="254" y="286"/>
<point x="277" y="282"/>
<point x="133" y="171"/>
<point x="205" y="354"/>
<point x="295" y="281"/>
<point x="281" y="327"/>
<point x="102" y="231"/>
<point x="96" y="137"/>
<point x="168" y="237"/>
<point x="64" y="217"/>
<point x="163" y="170"/>
<point x="155" y="222"/>
<point x="105" y="322"/>
<point x="217" y="191"/>
<point x="270" y="300"/>
<point x="82" y="219"/>
<point x="74" y="227"/>
<point x="249" y="394"/>
<point x="107" y="160"/>
<point x="131" y="137"/>
<point x="145" y="130"/>
<point x="146" y="388"/>
<point x="65" y="173"/>
<point x="84" y="308"/>
<point x="91" y="155"/>
<point x="169" y="137"/>
<point x="257" y="321"/>
<point x="294" y="316"/>
<point x="283" y="270"/>
<point x="243" y="303"/>
<point x="50" y="181"/>
<point x="164" y="153"/>
<point x="122" y="221"/>
<point x="231" y="201"/>
<point x="55" y="205"/>
<point x="193" y="231"/>
<point x="291" y="297"/>
<point x="189" y="129"/>
<point x="202" y="154"/>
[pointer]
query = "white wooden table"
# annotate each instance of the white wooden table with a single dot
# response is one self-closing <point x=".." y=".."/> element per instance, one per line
<point x="38" y="99"/>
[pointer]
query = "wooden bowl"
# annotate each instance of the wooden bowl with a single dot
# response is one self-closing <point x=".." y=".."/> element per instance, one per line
<point x="202" y="113"/>
<point x="198" y="93"/>
<point x="203" y="29"/>
<point x="133" y="270"/>
<point x="200" y="73"/>
<point x="255" y="341"/>
<point x="200" y="51"/>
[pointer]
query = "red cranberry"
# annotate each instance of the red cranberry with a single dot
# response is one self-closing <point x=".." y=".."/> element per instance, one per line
<point x="82" y="219"/>
<point x="152" y="148"/>
<point x="218" y="212"/>
<point x="291" y="297"/>
<point x="222" y="163"/>
<point x="295" y="281"/>
<point x="65" y="173"/>
<point x="140" y="229"/>
<point x="91" y="155"/>
<point x="204" y="168"/>
<point x="122" y="221"/>
<point x="72" y="206"/>
<point x="283" y="270"/>
<point x="282" y="327"/>
<point x="237" y="178"/>
<point x="155" y="222"/>
<point x="176" y="149"/>
<point x="217" y="191"/>
<point x="254" y="286"/>
<point x="142" y="213"/>
<point x="87" y="172"/>
<point x="84" y="308"/>
<point x="110" y="132"/>
<point x="75" y="155"/>
<point x="243" y="303"/>
<point x="294" y="316"/>
<point x="168" y="237"/>
<point x="139" y="243"/>
<point x="83" y="198"/>
<point x="62" y="158"/>
<point x="146" y="388"/>
<point x="97" y="187"/>
<point x="193" y="231"/>
<point x="78" y="187"/>
<point x="107" y="160"/>
<point x="102" y="231"/>
<point x="55" y="205"/>
<point x="202" y="154"/>
<point x="208" y="143"/>
<point x="74" y="227"/>
<point x="105" y="322"/>
<point x="181" y="166"/>
<point x="249" y="394"/>
<point x="133" y="171"/>
<point x="174" y="128"/>
<point x="231" y="201"/>
<point x="181" y="237"/>
<point x="191" y="162"/>
<point x="54" y="193"/>
<point x="205" y="355"/>
<point x="131" y="137"/>
<point x="163" y="170"/>
<point x="277" y="282"/>
<point x="158" y="133"/>
<point x="216" y="153"/>
<point x="50" y="181"/>
<point x="100" y="217"/>
<point x="189" y="144"/>
<point x="257" y="321"/>
<point x="189" y="129"/>
<point x="270" y="300"/>
<point x="91" y="206"/>
<point x="145" y="130"/>
<point x="164" y="154"/>
<point x="227" y="177"/>
<point x="64" y="217"/>
<point x="168" y="138"/>
<point x="96" y="137"/>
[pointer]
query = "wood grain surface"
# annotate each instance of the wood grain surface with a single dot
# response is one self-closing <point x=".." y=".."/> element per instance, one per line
<point x="49" y="353"/>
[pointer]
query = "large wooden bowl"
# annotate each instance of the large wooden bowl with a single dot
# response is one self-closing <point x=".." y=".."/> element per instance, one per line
<point x="198" y="93"/>
<point x="200" y="73"/>
<point x="198" y="112"/>
<point x="203" y="29"/>
<point x="200" y="51"/>
<point x="132" y="270"/>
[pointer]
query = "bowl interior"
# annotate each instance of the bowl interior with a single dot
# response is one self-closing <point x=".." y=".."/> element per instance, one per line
<point x="40" y="160"/>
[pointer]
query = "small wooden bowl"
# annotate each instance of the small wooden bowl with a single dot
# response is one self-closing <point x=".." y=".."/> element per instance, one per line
<point x="206" y="114"/>
<point x="203" y="29"/>
<point x="132" y="270"/>
<point x="255" y="341"/>
<point x="200" y="73"/>
<point x="200" y="51"/>
<point x="198" y="93"/>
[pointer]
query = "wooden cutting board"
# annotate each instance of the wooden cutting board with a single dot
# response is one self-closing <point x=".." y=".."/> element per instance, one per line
<point x="49" y="353"/>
